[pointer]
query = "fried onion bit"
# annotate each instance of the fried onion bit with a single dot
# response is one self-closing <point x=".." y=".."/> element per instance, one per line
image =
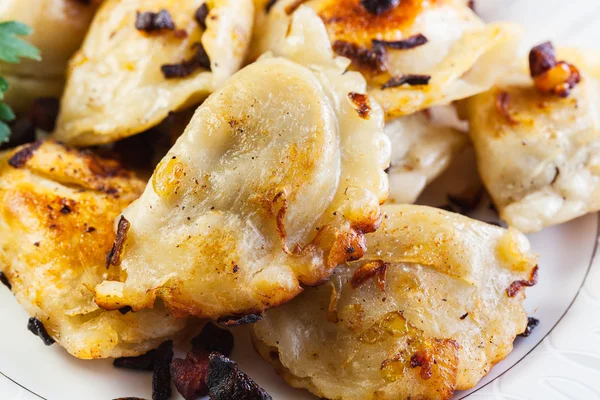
<point x="379" y="6"/>
<point x="36" y="327"/>
<point x="550" y="75"/>
<point x="161" y="375"/>
<point x="226" y="381"/>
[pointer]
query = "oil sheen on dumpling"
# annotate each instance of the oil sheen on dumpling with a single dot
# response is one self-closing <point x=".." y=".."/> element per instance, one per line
<point x="59" y="27"/>
<point x="539" y="154"/>
<point x="424" y="313"/>
<point x="116" y="87"/>
<point x="421" y="150"/>
<point x="463" y="55"/>
<point x="271" y="186"/>
<point x="57" y="208"/>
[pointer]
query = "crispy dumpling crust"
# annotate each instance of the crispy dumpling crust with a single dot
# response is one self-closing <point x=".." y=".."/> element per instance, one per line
<point x="539" y="154"/>
<point x="57" y="34"/>
<point x="461" y="56"/>
<point x="116" y="87"/>
<point x="57" y="208"/>
<point x="272" y="185"/>
<point x="425" y="312"/>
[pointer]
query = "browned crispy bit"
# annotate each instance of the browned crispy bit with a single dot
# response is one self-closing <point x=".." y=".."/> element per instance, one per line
<point x="114" y="255"/>
<point x="361" y="103"/>
<point x="201" y="14"/>
<point x="516" y="286"/>
<point x="144" y="362"/>
<point x="225" y="381"/>
<point x="532" y="323"/>
<point x="36" y="327"/>
<point x="5" y="281"/>
<point x="502" y="100"/>
<point x="21" y="157"/>
<point x="360" y="56"/>
<point x="270" y="5"/>
<point x="410" y="79"/>
<point x="153" y="22"/>
<point x="423" y="359"/>
<point x="187" y="67"/>
<point x="405" y="44"/>
<point x="464" y="316"/>
<point x="213" y="338"/>
<point x="161" y="373"/>
<point x="43" y="113"/>
<point x="378" y="6"/>
<point x="550" y="75"/>
<point x="370" y="270"/>
<point x="235" y="320"/>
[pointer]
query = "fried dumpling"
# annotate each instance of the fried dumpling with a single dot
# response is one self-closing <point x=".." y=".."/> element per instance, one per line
<point x="435" y="302"/>
<point x="271" y="186"/>
<point x="421" y="150"/>
<point x="57" y="208"/>
<point x="415" y="54"/>
<point x="59" y="27"/>
<point x="539" y="153"/>
<point x="145" y="58"/>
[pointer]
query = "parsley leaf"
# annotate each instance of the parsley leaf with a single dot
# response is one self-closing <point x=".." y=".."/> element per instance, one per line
<point x="12" y="49"/>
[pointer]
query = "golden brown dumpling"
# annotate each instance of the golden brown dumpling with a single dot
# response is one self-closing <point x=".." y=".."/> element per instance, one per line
<point x="59" y="27"/>
<point x="57" y="208"/>
<point x="125" y="80"/>
<point x="435" y="302"/>
<point x="272" y="185"/>
<point x="440" y="47"/>
<point x="539" y="154"/>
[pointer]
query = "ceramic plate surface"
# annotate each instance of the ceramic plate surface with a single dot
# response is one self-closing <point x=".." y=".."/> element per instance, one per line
<point x="560" y="360"/>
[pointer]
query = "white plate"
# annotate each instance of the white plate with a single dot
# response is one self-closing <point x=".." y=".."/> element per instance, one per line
<point x="561" y="359"/>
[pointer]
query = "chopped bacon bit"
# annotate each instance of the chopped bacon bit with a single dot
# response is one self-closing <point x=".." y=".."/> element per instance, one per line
<point x="189" y="375"/>
<point x="412" y="80"/>
<point x="550" y="75"/>
<point x="294" y="6"/>
<point x="114" y="255"/>
<point x="213" y="338"/>
<point x="43" y="113"/>
<point x="152" y="22"/>
<point x="36" y="327"/>
<point x="201" y="14"/>
<point x="369" y="270"/>
<point x="362" y="104"/>
<point x="144" y="362"/>
<point x="161" y="375"/>
<point x="239" y="320"/>
<point x="187" y="67"/>
<point x="532" y="323"/>
<point x="405" y="44"/>
<point x="517" y="285"/>
<point x="361" y="56"/>
<point x="5" y="281"/>
<point x="502" y="100"/>
<point x="21" y="157"/>
<point x="378" y="6"/>
<point x="423" y="359"/>
<point x="270" y="5"/>
<point x="225" y="381"/>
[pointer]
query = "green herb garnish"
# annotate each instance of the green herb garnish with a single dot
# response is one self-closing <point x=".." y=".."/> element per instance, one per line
<point x="12" y="49"/>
